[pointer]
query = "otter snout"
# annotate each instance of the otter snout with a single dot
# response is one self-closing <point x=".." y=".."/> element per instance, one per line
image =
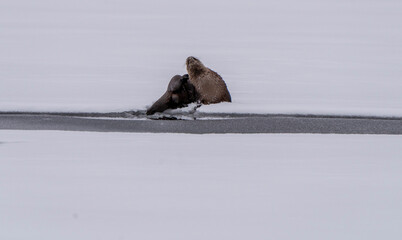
<point x="191" y="59"/>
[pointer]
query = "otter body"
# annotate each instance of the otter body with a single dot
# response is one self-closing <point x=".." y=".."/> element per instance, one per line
<point x="179" y="93"/>
<point x="209" y="85"/>
<point x="201" y="84"/>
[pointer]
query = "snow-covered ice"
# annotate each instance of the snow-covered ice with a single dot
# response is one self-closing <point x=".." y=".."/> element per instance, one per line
<point x="77" y="185"/>
<point x="313" y="56"/>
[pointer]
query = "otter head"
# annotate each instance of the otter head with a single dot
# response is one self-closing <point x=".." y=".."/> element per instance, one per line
<point x="179" y="93"/>
<point x="194" y="66"/>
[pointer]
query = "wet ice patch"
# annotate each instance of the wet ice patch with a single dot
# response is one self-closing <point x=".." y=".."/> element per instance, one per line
<point x="191" y="112"/>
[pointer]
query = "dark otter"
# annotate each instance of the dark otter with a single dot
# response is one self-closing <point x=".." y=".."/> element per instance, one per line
<point x="210" y="86"/>
<point x="179" y="93"/>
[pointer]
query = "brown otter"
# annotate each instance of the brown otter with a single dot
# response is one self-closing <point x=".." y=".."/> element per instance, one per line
<point x="179" y="93"/>
<point x="209" y="85"/>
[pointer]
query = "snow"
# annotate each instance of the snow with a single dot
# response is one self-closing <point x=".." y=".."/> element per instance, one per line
<point x="306" y="57"/>
<point x="80" y="185"/>
<point x="331" y="57"/>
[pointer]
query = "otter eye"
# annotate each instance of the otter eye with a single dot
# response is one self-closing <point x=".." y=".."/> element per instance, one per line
<point x="175" y="98"/>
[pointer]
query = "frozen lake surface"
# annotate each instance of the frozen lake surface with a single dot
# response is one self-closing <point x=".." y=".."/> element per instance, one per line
<point x="320" y="57"/>
<point x="335" y="57"/>
<point x="75" y="185"/>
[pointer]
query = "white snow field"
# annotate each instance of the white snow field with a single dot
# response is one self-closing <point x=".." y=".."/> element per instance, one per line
<point x="290" y="56"/>
<point x="75" y="185"/>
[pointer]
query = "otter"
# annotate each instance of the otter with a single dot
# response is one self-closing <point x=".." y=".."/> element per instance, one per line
<point x="179" y="93"/>
<point x="210" y="86"/>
